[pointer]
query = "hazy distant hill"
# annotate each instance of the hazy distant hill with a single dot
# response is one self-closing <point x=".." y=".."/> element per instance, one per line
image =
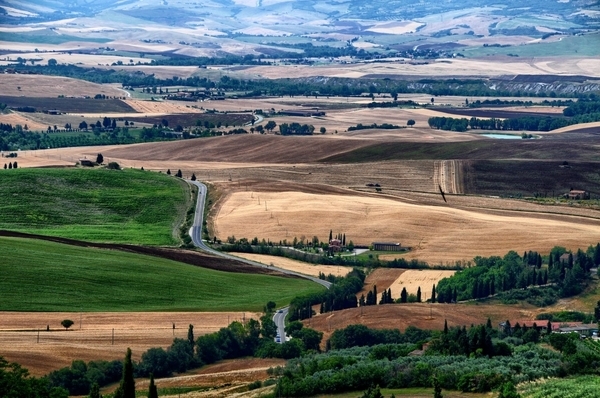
<point x="192" y="27"/>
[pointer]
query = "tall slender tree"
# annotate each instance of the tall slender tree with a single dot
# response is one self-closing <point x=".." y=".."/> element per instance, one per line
<point x="127" y="387"/>
<point x="152" y="391"/>
<point x="419" y="294"/>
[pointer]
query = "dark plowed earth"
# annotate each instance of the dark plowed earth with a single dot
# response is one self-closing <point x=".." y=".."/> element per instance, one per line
<point x="241" y="148"/>
<point x="185" y="256"/>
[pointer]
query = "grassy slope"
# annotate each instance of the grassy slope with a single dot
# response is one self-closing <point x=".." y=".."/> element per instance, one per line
<point x="126" y="206"/>
<point x="47" y="276"/>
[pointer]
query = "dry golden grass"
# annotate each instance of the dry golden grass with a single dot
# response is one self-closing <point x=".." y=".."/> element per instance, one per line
<point x="58" y="348"/>
<point x="161" y="107"/>
<point x="15" y="118"/>
<point x="411" y="280"/>
<point x="52" y="86"/>
<point x="449" y="67"/>
<point x="437" y="234"/>
<point x="294" y="265"/>
<point x="383" y="278"/>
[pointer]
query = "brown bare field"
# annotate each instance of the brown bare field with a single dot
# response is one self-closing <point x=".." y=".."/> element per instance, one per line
<point x="437" y="234"/>
<point x="421" y="315"/>
<point x="295" y="265"/>
<point x="15" y="118"/>
<point x="93" y="341"/>
<point x="52" y="87"/>
<point x="383" y="278"/>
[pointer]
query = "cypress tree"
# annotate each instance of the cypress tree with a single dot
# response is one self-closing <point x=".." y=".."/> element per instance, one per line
<point x="95" y="391"/>
<point x="5" y="166"/>
<point x="389" y="296"/>
<point x="330" y="235"/>
<point x="419" y="294"/>
<point x="190" y="336"/>
<point x="596" y="253"/>
<point x="539" y="261"/>
<point x="193" y="177"/>
<point x="403" y="295"/>
<point x="10" y="165"/>
<point x="445" y="326"/>
<point x="15" y="165"/>
<point x="168" y="171"/>
<point x="127" y="387"/>
<point x="152" y="392"/>
<point x="433" y="294"/>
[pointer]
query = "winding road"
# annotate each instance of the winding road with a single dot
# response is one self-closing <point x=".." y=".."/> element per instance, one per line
<point x="196" y="235"/>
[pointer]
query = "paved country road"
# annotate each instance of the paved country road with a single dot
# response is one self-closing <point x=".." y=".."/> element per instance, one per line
<point x="196" y="235"/>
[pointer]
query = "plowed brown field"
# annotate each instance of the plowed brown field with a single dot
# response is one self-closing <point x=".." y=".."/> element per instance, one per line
<point x="424" y="316"/>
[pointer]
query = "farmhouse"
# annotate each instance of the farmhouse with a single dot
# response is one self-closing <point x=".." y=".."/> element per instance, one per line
<point x="576" y="194"/>
<point x="386" y="246"/>
<point x="335" y="245"/>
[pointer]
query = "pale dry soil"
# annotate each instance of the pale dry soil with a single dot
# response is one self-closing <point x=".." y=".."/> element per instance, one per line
<point x="440" y="67"/>
<point x="295" y="265"/>
<point x="91" y="337"/>
<point x="52" y="87"/>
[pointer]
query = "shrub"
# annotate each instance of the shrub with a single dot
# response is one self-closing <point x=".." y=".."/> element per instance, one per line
<point x="113" y="166"/>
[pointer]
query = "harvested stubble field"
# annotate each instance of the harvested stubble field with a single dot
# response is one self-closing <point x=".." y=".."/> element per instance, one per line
<point x="22" y="119"/>
<point x="437" y="234"/>
<point x="226" y="378"/>
<point x="294" y="265"/>
<point x="397" y="279"/>
<point x="52" y="87"/>
<point x="90" y="338"/>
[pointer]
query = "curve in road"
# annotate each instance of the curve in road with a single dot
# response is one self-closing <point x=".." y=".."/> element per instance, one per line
<point x="196" y="235"/>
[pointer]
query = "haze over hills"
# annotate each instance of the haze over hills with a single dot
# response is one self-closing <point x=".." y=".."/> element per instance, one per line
<point x="264" y="26"/>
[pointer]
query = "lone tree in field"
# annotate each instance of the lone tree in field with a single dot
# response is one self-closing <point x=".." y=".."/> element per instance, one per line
<point x="193" y="177"/>
<point x="99" y="158"/>
<point x="323" y="130"/>
<point x="67" y="323"/>
<point x="113" y="166"/>
<point x="169" y="172"/>
<point x="179" y="174"/>
<point x="127" y="387"/>
<point x="410" y="123"/>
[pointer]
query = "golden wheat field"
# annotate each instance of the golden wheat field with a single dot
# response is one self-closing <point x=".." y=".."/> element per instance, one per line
<point x="294" y="265"/>
<point x="91" y="336"/>
<point x="437" y="234"/>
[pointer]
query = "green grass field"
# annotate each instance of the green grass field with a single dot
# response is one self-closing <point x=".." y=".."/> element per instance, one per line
<point x="119" y="206"/>
<point x="46" y="276"/>
<point x="575" y="387"/>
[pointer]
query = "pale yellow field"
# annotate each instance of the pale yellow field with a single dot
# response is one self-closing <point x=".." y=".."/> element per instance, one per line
<point x="93" y="341"/>
<point x="413" y="279"/>
<point x="438" y="234"/>
<point x="15" y="118"/>
<point x="450" y="67"/>
<point x="52" y="86"/>
<point x="294" y="265"/>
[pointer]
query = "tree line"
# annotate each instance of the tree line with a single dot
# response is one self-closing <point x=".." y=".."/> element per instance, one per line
<point x="491" y="275"/>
